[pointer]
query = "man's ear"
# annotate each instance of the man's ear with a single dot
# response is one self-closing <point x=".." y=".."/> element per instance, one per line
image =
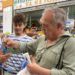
<point x="59" y="26"/>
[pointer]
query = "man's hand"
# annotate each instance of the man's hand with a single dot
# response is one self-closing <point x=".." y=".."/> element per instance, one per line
<point x="10" y="43"/>
<point x="35" y="69"/>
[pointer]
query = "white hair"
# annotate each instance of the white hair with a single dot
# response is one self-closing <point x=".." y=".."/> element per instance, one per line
<point x="59" y="15"/>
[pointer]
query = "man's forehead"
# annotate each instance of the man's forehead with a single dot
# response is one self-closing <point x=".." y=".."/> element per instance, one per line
<point x="47" y="16"/>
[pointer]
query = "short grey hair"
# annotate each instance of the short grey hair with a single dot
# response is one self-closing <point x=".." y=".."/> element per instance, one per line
<point x="59" y="15"/>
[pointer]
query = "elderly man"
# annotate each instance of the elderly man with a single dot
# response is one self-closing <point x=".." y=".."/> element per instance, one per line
<point x="54" y="53"/>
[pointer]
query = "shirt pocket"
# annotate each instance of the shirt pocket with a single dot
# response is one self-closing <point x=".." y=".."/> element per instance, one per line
<point x="56" y="53"/>
<point x="39" y="54"/>
<point x="47" y="59"/>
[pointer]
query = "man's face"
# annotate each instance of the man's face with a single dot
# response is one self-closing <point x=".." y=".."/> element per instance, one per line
<point x="49" y="28"/>
<point x="19" y="28"/>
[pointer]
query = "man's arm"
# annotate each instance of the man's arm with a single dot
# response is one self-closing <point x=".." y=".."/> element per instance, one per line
<point x="68" y="62"/>
<point x="23" y="46"/>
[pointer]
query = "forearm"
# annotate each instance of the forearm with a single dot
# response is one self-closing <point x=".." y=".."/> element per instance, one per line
<point x="21" y="46"/>
<point x="44" y="71"/>
<point x="38" y="70"/>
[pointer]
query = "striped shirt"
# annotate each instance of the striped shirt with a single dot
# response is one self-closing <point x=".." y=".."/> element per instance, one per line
<point x="24" y="38"/>
<point x="14" y="63"/>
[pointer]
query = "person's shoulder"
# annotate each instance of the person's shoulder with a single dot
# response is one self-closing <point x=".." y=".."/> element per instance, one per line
<point x="71" y="40"/>
<point x="41" y="38"/>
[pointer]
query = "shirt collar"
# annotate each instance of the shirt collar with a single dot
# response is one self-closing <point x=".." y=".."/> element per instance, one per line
<point x="66" y="34"/>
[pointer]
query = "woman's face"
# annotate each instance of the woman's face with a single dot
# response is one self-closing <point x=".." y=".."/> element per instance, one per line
<point x="19" y="28"/>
